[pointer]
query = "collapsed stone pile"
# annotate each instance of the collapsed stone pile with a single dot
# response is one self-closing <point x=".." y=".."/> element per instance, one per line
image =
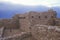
<point x="43" y="32"/>
<point x="20" y="36"/>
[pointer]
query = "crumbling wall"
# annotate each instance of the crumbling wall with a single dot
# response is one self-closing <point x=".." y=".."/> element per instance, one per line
<point x="44" y="32"/>
<point x="32" y="18"/>
<point x="41" y="17"/>
<point x="9" y="23"/>
<point x="21" y="36"/>
<point x="1" y="31"/>
<point x="57" y="21"/>
<point x="24" y="22"/>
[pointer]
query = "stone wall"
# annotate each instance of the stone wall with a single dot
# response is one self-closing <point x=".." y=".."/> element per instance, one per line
<point x="21" y="36"/>
<point x="1" y="31"/>
<point x="9" y="23"/>
<point x="24" y="22"/>
<point x="44" y="32"/>
<point x="41" y="17"/>
<point x="28" y="19"/>
<point x="57" y="21"/>
<point x="32" y="18"/>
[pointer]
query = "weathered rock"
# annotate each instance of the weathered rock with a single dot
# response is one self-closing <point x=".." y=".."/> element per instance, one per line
<point x="46" y="32"/>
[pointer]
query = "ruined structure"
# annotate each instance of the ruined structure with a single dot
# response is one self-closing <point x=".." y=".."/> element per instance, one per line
<point x="32" y="18"/>
<point x="44" y="32"/>
<point x="22" y="26"/>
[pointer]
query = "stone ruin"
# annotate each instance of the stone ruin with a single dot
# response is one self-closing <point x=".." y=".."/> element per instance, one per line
<point x="44" y="32"/>
<point x="31" y="26"/>
<point x="17" y="36"/>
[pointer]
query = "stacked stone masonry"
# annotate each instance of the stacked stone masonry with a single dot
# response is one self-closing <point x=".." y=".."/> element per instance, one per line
<point x="44" y="32"/>
<point x="33" y="25"/>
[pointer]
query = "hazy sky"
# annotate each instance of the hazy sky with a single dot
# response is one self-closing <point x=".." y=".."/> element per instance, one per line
<point x="48" y="3"/>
